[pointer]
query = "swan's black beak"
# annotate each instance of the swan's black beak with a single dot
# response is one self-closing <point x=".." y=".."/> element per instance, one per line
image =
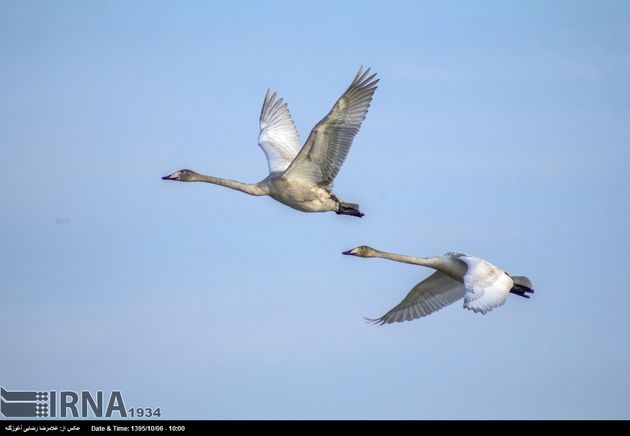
<point x="169" y="177"/>
<point x="348" y="253"/>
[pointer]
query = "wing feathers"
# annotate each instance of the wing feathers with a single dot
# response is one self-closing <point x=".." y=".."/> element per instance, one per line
<point x="328" y="145"/>
<point x="486" y="285"/>
<point x="430" y="295"/>
<point x="278" y="136"/>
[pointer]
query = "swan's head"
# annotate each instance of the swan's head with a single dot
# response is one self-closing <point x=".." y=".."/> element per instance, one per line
<point x="181" y="176"/>
<point x="361" y="251"/>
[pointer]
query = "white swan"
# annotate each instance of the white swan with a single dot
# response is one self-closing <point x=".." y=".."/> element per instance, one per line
<point x="482" y="285"/>
<point x="302" y="178"/>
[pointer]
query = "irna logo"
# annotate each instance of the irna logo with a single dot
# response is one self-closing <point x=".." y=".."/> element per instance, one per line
<point x="62" y="404"/>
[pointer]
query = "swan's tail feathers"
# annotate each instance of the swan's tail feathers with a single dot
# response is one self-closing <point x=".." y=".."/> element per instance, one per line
<point x="522" y="286"/>
<point x="349" y="209"/>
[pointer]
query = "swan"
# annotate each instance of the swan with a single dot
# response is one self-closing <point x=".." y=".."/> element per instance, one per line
<point x="458" y="275"/>
<point x="302" y="178"/>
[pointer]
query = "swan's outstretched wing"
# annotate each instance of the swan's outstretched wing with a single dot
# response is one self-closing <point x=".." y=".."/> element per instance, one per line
<point x="486" y="285"/>
<point x="433" y="293"/>
<point x="328" y="144"/>
<point x="278" y="136"/>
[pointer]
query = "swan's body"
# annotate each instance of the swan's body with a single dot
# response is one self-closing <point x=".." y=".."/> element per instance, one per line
<point x="483" y="286"/>
<point x="305" y="197"/>
<point x="302" y="177"/>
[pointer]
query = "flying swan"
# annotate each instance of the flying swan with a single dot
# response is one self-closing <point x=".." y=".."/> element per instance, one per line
<point x="482" y="285"/>
<point x="302" y="178"/>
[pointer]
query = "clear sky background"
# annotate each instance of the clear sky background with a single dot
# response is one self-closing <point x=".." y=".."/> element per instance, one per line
<point x="499" y="128"/>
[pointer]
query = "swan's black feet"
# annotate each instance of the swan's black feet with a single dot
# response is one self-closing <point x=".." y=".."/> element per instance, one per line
<point x="521" y="291"/>
<point x="349" y="209"/>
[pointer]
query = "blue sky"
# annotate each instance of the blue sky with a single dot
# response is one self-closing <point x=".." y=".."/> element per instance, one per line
<point x="499" y="128"/>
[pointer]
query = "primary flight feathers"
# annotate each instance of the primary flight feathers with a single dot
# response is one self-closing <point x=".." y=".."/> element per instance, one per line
<point x="327" y="146"/>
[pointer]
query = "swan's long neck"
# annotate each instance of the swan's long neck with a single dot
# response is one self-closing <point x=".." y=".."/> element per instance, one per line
<point x="431" y="262"/>
<point x="248" y="188"/>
